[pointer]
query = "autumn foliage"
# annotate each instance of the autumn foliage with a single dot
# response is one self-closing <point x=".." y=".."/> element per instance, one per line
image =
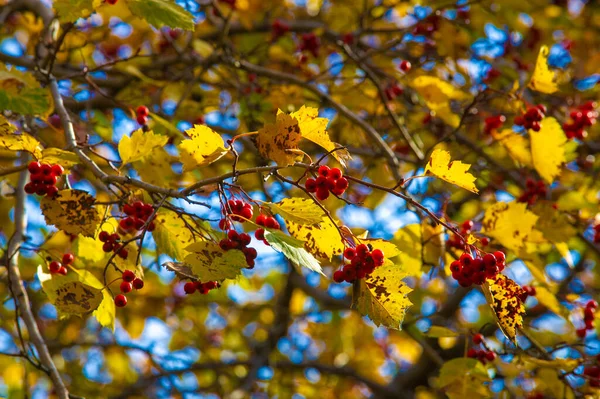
<point x="303" y="199"/>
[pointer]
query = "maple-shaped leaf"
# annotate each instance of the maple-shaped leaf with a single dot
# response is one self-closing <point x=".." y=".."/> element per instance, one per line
<point x="209" y="262"/>
<point x="297" y="210"/>
<point x="293" y="250"/>
<point x="548" y="148"/>
<point x="504" y="297"/>
<point x="517" y="146"/>
<point x="383" y="296"/>
<point x="323" y="240"/>
<point x="509" y="223"/>
<point x="279" y="141"/>
<point x="139" y="145"/>
<point x="543" y="79"/>
<point x="159" y="13"/>
<point x="72" y="211"/>
<point x="204" y="147"/>
<point x="21" y="93"/>
<point x="437" y="94"/>
<point x="441" y="165"/>
<point x="463" y="378"/>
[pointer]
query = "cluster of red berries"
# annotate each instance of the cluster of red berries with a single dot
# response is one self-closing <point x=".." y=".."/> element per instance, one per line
<point x="43" y="178"/>
<point x="427" y="25"/>
<point x="112" y="243"/>
<point x="130" y="281"/>
<point x="404" y="66"/>
<point x="363" y="261"/>
<point x="528" y="291"/>
<point x="534" y="190"/>
<point x="311" y="43"/>
<point x="278" y="29"/>
<point x="593" y="374"/>
<point x="465" y="228"/>
<point x="494" y="122"/>
<point x="241" y="242"/>
<point x="468" y="270"/>
<point x="582" y="117"/>
<point x="240" y="210"/>
<point x="204" y="288"/>
<point x="392" y="91"/>
<point x="348" y="38"/>
<point x="491" y="75"/>
<point x="588" y="318"/>
<point x="482" y="355"/>
<point x="137" y="216"/>
<point x="266" y="221"/>
<point x="596" y="233"/>
<point x="142" y="113"/>
<point x="56" y="267"/>
<point x="532" y="118"/>
<point x="329" y="180"/>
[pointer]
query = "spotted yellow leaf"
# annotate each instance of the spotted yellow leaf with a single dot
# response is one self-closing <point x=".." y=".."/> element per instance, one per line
<point x="548" y="149"/>
<point x="139" y="145"/>
<point x="517" y="146"/>
<point x="172" y="234"/>
<point x="72" y="211"/>
<point x="503" y="296"/>
<point x="441" y="165"/>
<point x="543" y="79"/>
<point x="297" y="210"/>
<point x="323" y="240"/>
<point x="209" y="262"/>
<point x="205" y="146"/>
<point x="12" y="141"/>
<point x="69" y="295"/>
<point x="66" y="159"/>
<point x="437" y="94"/>
<point x="509" y="223"/>
<point x="383" y="296"/>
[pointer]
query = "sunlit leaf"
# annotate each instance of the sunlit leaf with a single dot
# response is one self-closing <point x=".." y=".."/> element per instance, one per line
<point x="162" y="12"/>
<point x="172" y="235"/>
<point x="509" y="223"/>
<point x="297" y="210"/>
<point x="548" y="149"/>
<point x="20" y="92"/>
<point x="204" y="147"/>
<point x="437" y="94"/>
<point x="503" y="295"/>
<point x="462" y="378"/>
<point x="322" y="240"/>
<point x="72" y="10"/>
<point x="139" y="145"/>
<point x="419" y="244"/>
<point x="543" y="79"/>
<point x="517" y="146"/>
<point x="66" y="159"/>
<point x="20" y="142"/>
<point x="72" y="211"/>
<point x="441" y="165"/>
<point x="293" y="250"/>
<point x="209" y="262"/>
<point x="70" y="296"/>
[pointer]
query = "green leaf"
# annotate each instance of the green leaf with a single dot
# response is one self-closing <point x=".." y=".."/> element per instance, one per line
<point x="172" y="235"/>
<point x="463" y="378"/>
<point x="72" y="10"/>
<point x="162" y="12"/>
<point x="441" y="332"/>
<point x="209" y="262"/>
<point x="21" y="93"/>
<point x="292" y="249"/>
<point x="298" y="210"/>
<point x="383" y="296"/>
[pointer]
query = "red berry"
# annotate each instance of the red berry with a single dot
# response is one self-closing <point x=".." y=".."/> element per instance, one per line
<point x="57" y="170"/>
<point x="485" y="241"/>
<point x="54" y="266"/>
<point x="41" y="189"/>
<point x="341" y="184"/>
<point x="472" y="353"/>
<point x="377" y="255"/>
<point x="467" y="225"/>
<point x="120" y="300"/>
<point x="335" y="173"/>
<point x="324" y="170"/>
<point x="142" y="120"/>
<point x="591" y="304"/>
<point x="34" y="167"/>
<point x="272" y="223"/>
<point x="67" y="259"/>
<point x="107" y="247"/>
<point x="46" y="170"/>
<point x="589" y="313"/>
<point x="50" y="180"/>
<point x="455" y="267"/>
<point x="123" y="253"/>
<point x="311" y="185"/>
<point x="138" y="283"/>
<point x="589" y="324"/>
<point x="349" y="253"/>
<point x="477" y="339"/>
<point x="490" y="356"/>
<point x="259" y="234"/>
<point x="30" y="188"/>
<point x="128" y="276"/>
<point x="63" y="271"/>
<point x="142" y="110"/>
<point x="405" y="66"/>
<point x="581" y="332"/>
<point x="103" y="236"/>
<point x="125" y="287"/>
<point x="322" y="194"/>
<point x="338" y="276"/>
<point x="499" y="255"/>
<point x="189" y="287"/>
<point x="244" y="238"/>
<point x="261" y="219"/>
<point x="535" y="126"/>
<point x="246" y="212"/>
<point x="466" y="259"/>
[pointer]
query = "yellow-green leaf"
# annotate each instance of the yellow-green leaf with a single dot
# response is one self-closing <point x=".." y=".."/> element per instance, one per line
<point x="419" y="244"/>
<point x="383" y="296"/>
<point x="441" y="332"/>
<point x="543" y="79"/>
<point x="548" y="148"/>
<point x="549" y="300"/>
<point x="292" y="249"/>
<point x="9" y="140"/>
<point x="298" y="210"/>
<point x="209" y="262"/>
<point x="21" y="93"/>
<point x="66" y="159"/>
<point x="517" y="146"/>
<point x="159" y="13"/>
<point x="72" y="10"/>
<point x="503" y="296"/>
<point x="437" y="94"/>
<point x="139" y="145"/>
<point x="204" y="147"/>
<point x="463" y="378"/>
<point x="566" y="365"/>
<point x="323" y="240"/>
<point x="441" y="165"/>
<point x="72" y="211"/>
<point x="155" y="168"/>
<point x="70" y="297"/>
<point x="509" y="223"/>
<point x="172" y="235"/>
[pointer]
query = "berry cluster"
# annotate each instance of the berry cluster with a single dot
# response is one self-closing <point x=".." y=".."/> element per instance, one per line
<point x="482" y="355"/>
<point x="528" y="291"/>
<point x="491" y="75"/>
<point x="468" y="270"/>
<point x="465" y="229"/>
<point x="493" y="123"/>
<point x="43" y="178"/>
<point x="363" y="261"/>
<point x="278" y="29"/>
<point x="240" y="210"/>
<point x="532" y="118"/>
<point x="266" y="221"/>
<point x="142" y="113"/>
<point x="112" y="244"/>
<point x="582" y="117"/>
<point x="596" y="233"/>
<point x="112" y="2"/>
<point x="404" y="66"/>
<point x="534" y="191"/>
<point x="329" y="180"/>
<point x="56" y="267"/>
<point x="311" y="43"/>
<point x="588" y="318"/>
<point x="137" y="216"/>
<point x="130" y="281"/>
<point x="239" y="241"/>
<point x="593" y="374"/>
<point x="348" y="38"/>
<point x="204" y="288"/>
<point x="392" y="91"/>
<point x="427" y="25"/>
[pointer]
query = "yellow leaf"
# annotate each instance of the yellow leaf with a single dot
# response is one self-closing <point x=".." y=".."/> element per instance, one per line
<point x="441" y="332"/>
<point x="503" y="296"/>
<point x="383" y="296"/>
<point x="66" y="159"/>
<point x="509" y="223"/>
<point x="172" y="235"/>
<point x="71" y="211"/>
<point x="156" y="169"/>
<point x="419" y="244"/>
<point x="209" y="262"/>
<point x="437" y="95"/>
<point x="279" y="141"/>
<point x="70" y="296"/>
<point x="297" y="210"/>
<point x="549" y="300"/>
<point x="389" y="249"/>
<point x="517" y="146"/>
<point x="567" y="365"/>
<point x="204" y="147"/>
<point x="543" y="79"/>
<point x="455" y="172"/>
<point x="322" y="240"/>
<point x="105" y="313"/>
<point x="9" y="140"/>
<point x="139" y="145"/>
<point x="548" y="148"/>
<point x="463" y="378"/>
